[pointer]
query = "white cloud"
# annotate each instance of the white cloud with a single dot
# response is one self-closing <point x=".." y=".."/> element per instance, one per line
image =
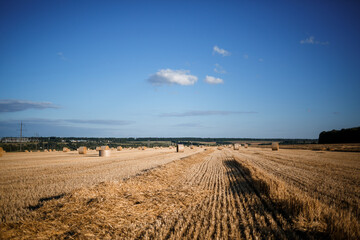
<point x="213" y="80"/>
<point x="169" y="76"/>
<point x="311" y="40"/>
<point x="219" y="69"/>
<point x="261" y="60"/>
<point x="221" y="51"/>
<point x="245" y="56"/>
<point x="16" y="105"/>
<point x="61" y="55"/>
<point x="204" y="113"/>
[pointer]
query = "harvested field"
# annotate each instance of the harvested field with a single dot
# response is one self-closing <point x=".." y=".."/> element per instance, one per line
<point x="333" y="177"/>
<point x="216" y="194"/>
<point x="345" y="147"/>
<point x="27" y="178"/>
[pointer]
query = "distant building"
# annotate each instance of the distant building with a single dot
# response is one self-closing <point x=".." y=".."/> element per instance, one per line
<point x="14" y="140"/>
<point x="74" y="141"/>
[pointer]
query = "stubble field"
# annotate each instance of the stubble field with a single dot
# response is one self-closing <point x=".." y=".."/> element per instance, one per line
<point x="214" y="194"/>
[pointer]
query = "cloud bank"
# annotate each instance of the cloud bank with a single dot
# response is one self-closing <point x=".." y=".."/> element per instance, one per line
<point x="188" y="125"/>
<point x="213" y="80"/>
<point x="221" y="51"/>
<point x="311" y="40"/>
<point x="21" y="105"/>
<point x="169" y="77"/>
<point x="204" y="113"/>
<point x="68" y="122"/>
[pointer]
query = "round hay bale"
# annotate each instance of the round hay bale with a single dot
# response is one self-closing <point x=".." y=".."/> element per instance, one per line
<point x="180" y="148"/>
<point x="119" y="148"/>
<point x="143" y="148"/>
<point x="26" y="151"/>
<point x="275" y="146"/>
<point x="65" y="149"/>
<point x="82" y="150"/>
<point x="245" y="145"/>
<point x="45" y="150"/>
<point x="236" y="146"/>
<point x="191" y="146"/>
<point x="104" y="153"/>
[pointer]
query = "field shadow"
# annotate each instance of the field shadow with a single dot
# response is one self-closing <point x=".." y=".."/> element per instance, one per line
<point x="243" y="183"/>
<point x="43" y="200"/>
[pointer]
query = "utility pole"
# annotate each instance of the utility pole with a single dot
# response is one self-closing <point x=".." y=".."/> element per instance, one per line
<point x="21" y="135"/>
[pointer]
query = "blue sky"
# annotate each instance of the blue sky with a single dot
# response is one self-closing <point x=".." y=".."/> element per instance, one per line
<point x="257" y="69"/>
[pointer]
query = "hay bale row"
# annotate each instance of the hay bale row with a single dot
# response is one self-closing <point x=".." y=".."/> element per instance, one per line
<point x="180" y="148"/>
<point x="275" y="146"/>
<point x="104" y="153"/>
<point x="102" y="148"/>
<point x="82" y="150"/>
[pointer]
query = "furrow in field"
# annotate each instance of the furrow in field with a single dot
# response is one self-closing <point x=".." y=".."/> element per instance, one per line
<point x="317" y="175"/>
<point x="232" y="208"/>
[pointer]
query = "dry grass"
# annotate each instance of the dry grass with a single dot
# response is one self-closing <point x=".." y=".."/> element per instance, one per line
<point x="319" y="190"/>
<point x="27" y="179"/>
<point x="348" y="147"/>
<point x="111" y="210"/>
<point x="243" y="194"/>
